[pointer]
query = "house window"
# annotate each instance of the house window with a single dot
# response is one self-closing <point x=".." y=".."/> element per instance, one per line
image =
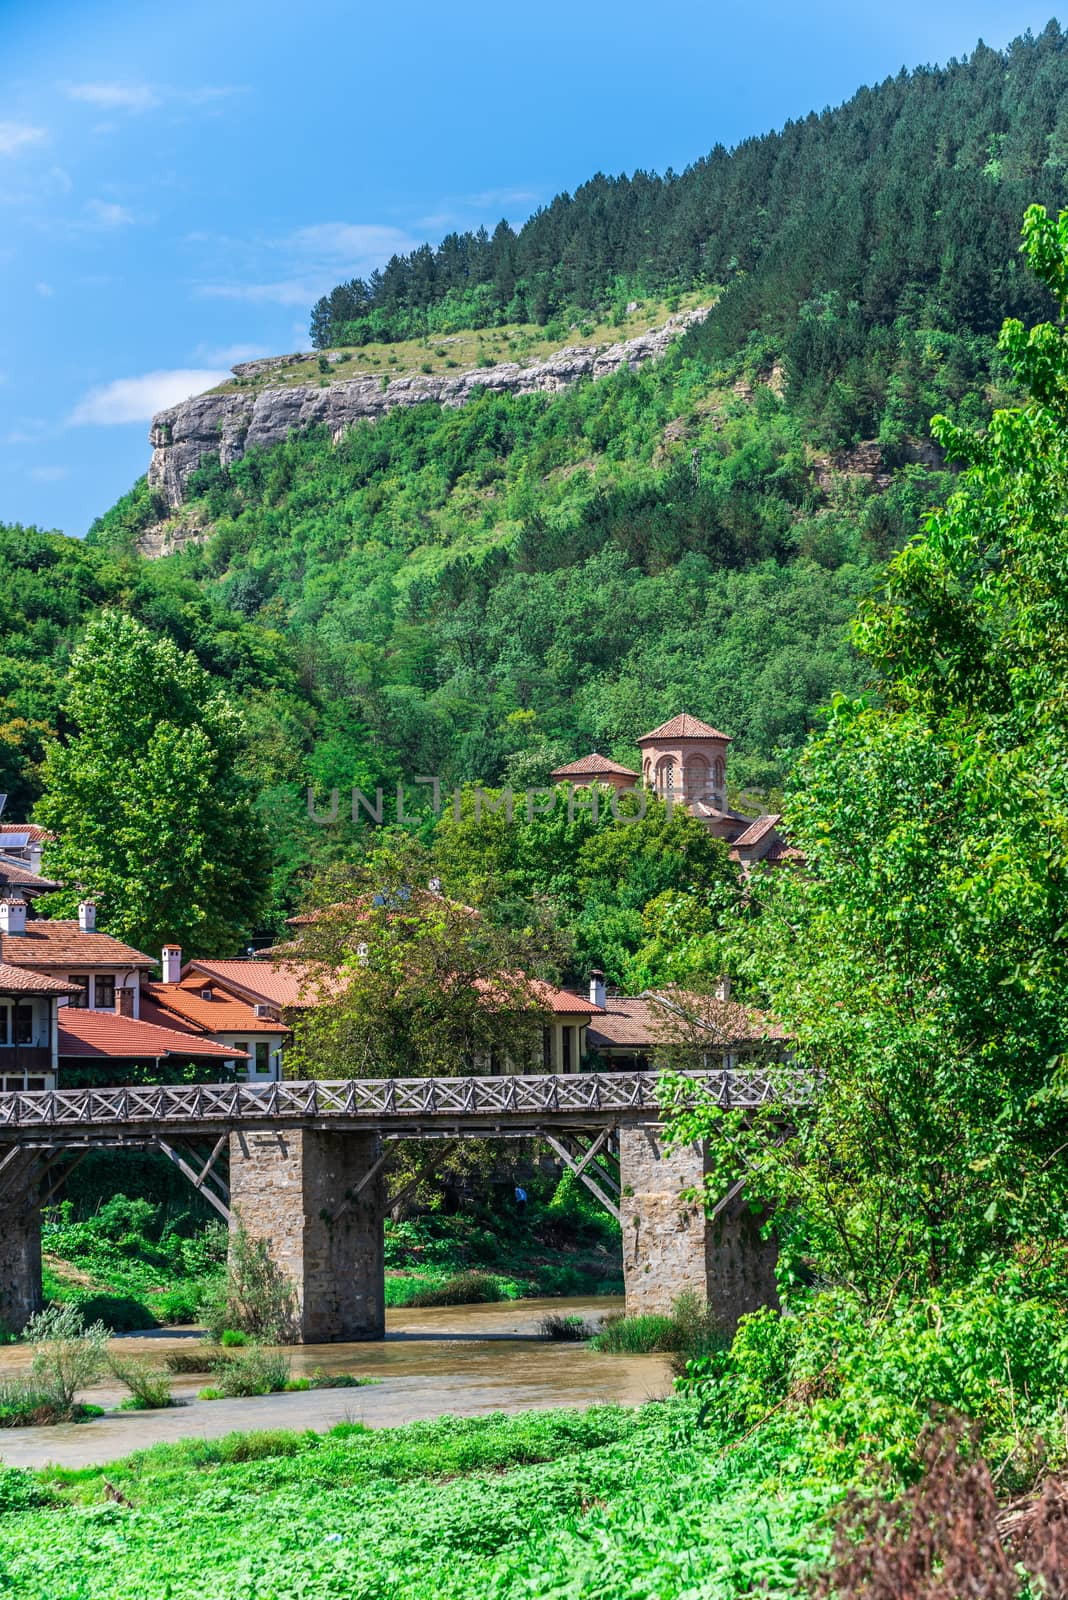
<point x="81" y="999"/>
<point x="569" y="1047"/>
<point x="240" y="1045"/>
<point x="5" y="1024"/>
<point x="263" y="1057"/>
<point x="547" y="1049"/>
<point x="104" y="996"/>
<point x="23" y="1024"/>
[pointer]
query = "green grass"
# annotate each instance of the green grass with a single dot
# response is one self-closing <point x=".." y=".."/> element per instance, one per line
<point x="605" y="1502"/>
<point x="485" y="347"/>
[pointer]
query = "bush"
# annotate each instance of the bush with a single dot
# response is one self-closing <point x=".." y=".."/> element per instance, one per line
<point x="119" y="1313"/>
<point x="636" y="1336"/>
<point x="256" y="1297"/>
<point x="565" y="1329"/>
<point x="463" y="1289"/>
<point x="689" y="1332"/>
<point x="150" y="1389"/>
<point x="232" y="1338"/>
<point x="258" y="1371"/>
<point x="67" y="1354"/>
<point x="202" y="1358"/>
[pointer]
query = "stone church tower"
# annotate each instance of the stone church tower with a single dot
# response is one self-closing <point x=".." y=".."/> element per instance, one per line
<point x="687" y="759"/>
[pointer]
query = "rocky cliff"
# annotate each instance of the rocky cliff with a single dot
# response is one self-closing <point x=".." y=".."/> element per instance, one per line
<point x="229" y="422"/>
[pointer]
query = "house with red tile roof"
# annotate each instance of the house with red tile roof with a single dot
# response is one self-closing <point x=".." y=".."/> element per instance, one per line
<point x="200" y="1003"/>
<point x="106" y="1047"/>
<point x="105" y="973"/>
<point x="635" y="1030"/>
<point x="29" y="1009"/>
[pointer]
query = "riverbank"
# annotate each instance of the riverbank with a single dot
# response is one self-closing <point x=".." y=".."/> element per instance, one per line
<point x="465" y="1360"/>
<point x="136" y="1264"/>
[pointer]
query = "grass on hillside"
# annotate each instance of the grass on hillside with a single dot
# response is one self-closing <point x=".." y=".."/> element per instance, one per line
<point x="444" y="353"/>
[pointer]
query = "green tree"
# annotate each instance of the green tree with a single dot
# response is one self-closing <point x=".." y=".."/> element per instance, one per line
<point x="920" y="962"/>
<point x="152" y="816"/>
<point x="411" y="983"/>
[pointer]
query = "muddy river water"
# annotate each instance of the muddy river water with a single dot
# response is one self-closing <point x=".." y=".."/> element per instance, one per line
<point x="462" y="1360"/>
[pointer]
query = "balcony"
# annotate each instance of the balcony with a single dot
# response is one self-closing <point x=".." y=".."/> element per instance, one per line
<point x="25" y="1058"/>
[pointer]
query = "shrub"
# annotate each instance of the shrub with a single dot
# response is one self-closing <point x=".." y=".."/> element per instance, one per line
<point x="258" y="1371"/>
<point x="565" y="1329"/>
<point x="119" y="1313"/>
<point x="200" y="1359"/>
<point x="256" y="1297"/>
<point x="463" y="1289"/>
<point x="178" y="1306"/>
<point x="67" y="1354"/>
<point x="232" y="1338"/>
<point x="150" y="1389"/>
<point x="636" y="1336"/>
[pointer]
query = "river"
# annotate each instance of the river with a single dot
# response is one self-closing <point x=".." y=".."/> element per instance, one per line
<point x="462" y="1360"/>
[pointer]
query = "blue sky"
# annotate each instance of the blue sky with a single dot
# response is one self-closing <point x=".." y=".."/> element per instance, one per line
<point x="179" y="182"/>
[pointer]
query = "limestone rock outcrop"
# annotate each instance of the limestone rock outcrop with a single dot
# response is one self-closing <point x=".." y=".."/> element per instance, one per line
<point x="229" y="422"/>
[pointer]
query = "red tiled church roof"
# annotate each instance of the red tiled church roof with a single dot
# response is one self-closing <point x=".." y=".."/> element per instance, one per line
<point x="684" y="727"/>
<point x="105" y="1034"/>
<point x="756" y="831"/>
<point x="589" y="766"/>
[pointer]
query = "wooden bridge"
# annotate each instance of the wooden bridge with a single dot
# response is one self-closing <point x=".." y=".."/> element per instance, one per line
<point x="304" y="1166"/>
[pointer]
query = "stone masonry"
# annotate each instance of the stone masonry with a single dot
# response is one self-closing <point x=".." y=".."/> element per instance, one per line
<point x="20" y="1249"/>
<point x="669" y="1244"/>
<point x="294" y="1189"/>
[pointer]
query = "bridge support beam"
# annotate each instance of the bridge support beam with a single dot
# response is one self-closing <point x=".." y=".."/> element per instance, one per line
<point x="671" y="1245"/>
<point x="319" y="1201"/>
<point x="20" y="1239"/>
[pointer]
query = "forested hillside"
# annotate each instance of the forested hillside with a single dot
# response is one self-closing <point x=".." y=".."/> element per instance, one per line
<point x="912" y="189"/>
<point x="479" y="593"/>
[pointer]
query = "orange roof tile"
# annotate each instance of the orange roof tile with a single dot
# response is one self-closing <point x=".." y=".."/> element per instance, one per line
<point x="17" y="875"/>
<point x="684" y="727"/>
<point x="34" y="833"/>
<point x="223" y="1013"/>
<point x="106" y="1034"/>
<point x="18" y="980"/>
<point x="63" y="944"/>
<point x="589" y="766"/>
<point x="756" y="831"/>
<point x="286" y="983"/>
<point x="640" y="1022"/>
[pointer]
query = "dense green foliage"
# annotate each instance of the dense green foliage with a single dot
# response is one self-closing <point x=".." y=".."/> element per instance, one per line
<point x="716" y="1498"/>
<point x="912" y="190"/>
<point x="151" y="814"/>
<point x="920" y="961"/>
<point x="52" y="587"/>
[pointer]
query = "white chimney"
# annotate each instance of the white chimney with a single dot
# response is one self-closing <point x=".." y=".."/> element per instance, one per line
<point x="12" y="916"/>
<point x="597" y="995"/>
<point x="87" y="916"/>
<point x="723" y="987"/>
<point x="33" y="853"/>
<point x="172" y="963"/>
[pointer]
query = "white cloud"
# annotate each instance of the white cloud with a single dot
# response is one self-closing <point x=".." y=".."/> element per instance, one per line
<point x="45" y="290"/>
<point x="138" y="399"/>
<point x="49" y="474"/>
<point x="114" y="96"/>
<point x="225" y="355"/>
<point x="316" y="257"/>
<point x="107" y="214"/>
<point x="287" y="292"/>
<point x="345" y="241"/>
<point x="13" y="135"/>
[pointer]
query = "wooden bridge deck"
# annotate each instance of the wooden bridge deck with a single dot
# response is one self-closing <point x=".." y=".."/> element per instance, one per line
<point x="394" y="1107"/>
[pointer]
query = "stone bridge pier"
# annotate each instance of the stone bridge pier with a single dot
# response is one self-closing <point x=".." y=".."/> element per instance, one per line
<point x="318" y="1199"/>
<point x="20" y="1239"/>
<point x="671" y="1244"/>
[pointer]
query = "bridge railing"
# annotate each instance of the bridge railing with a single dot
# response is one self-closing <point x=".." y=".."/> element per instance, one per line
<point x="379" y="1101"/>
